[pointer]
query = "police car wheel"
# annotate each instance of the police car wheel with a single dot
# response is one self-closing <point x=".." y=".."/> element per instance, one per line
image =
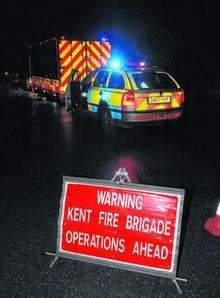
<point x="105" y="118"/>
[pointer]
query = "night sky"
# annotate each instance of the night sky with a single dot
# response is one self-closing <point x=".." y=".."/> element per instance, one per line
<point x="173" y="34"/>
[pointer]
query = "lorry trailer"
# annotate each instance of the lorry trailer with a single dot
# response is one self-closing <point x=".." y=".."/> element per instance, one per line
<point x="51" y="63"/>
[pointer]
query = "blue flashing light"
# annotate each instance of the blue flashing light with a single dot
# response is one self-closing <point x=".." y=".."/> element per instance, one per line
<point x="115" y="64"/>
<point x="104" y="39"/>
<point x="142" y="64"/>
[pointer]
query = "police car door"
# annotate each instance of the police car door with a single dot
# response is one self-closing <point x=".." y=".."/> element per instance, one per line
<point x="114" y="92"/>
<point x="97" y="91"/>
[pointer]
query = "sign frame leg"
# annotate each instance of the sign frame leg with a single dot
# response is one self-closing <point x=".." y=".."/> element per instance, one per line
<point x="174" y="280"/>
<point x="54" y="260"/>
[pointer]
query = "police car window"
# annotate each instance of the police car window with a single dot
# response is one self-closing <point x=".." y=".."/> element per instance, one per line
<point x="116" y="81"/>
<point x="153" y="80"/>
<point x="101" y="79"/>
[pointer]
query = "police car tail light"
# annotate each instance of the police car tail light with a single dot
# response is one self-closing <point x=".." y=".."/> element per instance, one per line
<point x="128" y="101"/>
<point x="179" y="96"/>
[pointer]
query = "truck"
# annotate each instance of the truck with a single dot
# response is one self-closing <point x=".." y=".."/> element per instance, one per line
<point x="54" y="61"/>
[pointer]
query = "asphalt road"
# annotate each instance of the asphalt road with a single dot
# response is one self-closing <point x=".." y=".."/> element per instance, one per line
<point x="36" y="152"/>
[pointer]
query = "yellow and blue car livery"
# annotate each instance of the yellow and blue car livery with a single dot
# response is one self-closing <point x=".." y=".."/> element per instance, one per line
<point x="136" y="95"/>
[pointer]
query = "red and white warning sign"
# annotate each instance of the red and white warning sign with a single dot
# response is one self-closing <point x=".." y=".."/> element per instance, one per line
<point x="129" y="226"/>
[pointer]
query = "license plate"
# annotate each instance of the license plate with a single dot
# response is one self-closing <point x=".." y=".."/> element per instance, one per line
<point x="159" y="99"/>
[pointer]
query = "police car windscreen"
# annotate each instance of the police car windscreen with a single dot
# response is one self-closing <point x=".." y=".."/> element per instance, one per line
<point x="153" y="80"/>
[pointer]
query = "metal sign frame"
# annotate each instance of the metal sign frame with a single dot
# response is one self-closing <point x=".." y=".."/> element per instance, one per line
<point x="121" y="180"/>
<point x="118" y="264"/>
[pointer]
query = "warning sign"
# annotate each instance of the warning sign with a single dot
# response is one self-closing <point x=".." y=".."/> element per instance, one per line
<point x="129" y="226"/>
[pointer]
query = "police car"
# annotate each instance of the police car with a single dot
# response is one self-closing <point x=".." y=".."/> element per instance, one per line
<point x="127" y="96"/>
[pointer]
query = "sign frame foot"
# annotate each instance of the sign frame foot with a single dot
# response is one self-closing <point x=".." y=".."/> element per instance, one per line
<point x="54" y="260"/>
<point x="175" y="282"/>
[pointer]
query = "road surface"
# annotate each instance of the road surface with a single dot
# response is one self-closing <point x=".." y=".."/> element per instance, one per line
<point x="38" y="148"/>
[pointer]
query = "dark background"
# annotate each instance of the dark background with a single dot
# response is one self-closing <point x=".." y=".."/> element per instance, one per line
<point x="180" y="36"/>
<point x="40" y="142"/>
